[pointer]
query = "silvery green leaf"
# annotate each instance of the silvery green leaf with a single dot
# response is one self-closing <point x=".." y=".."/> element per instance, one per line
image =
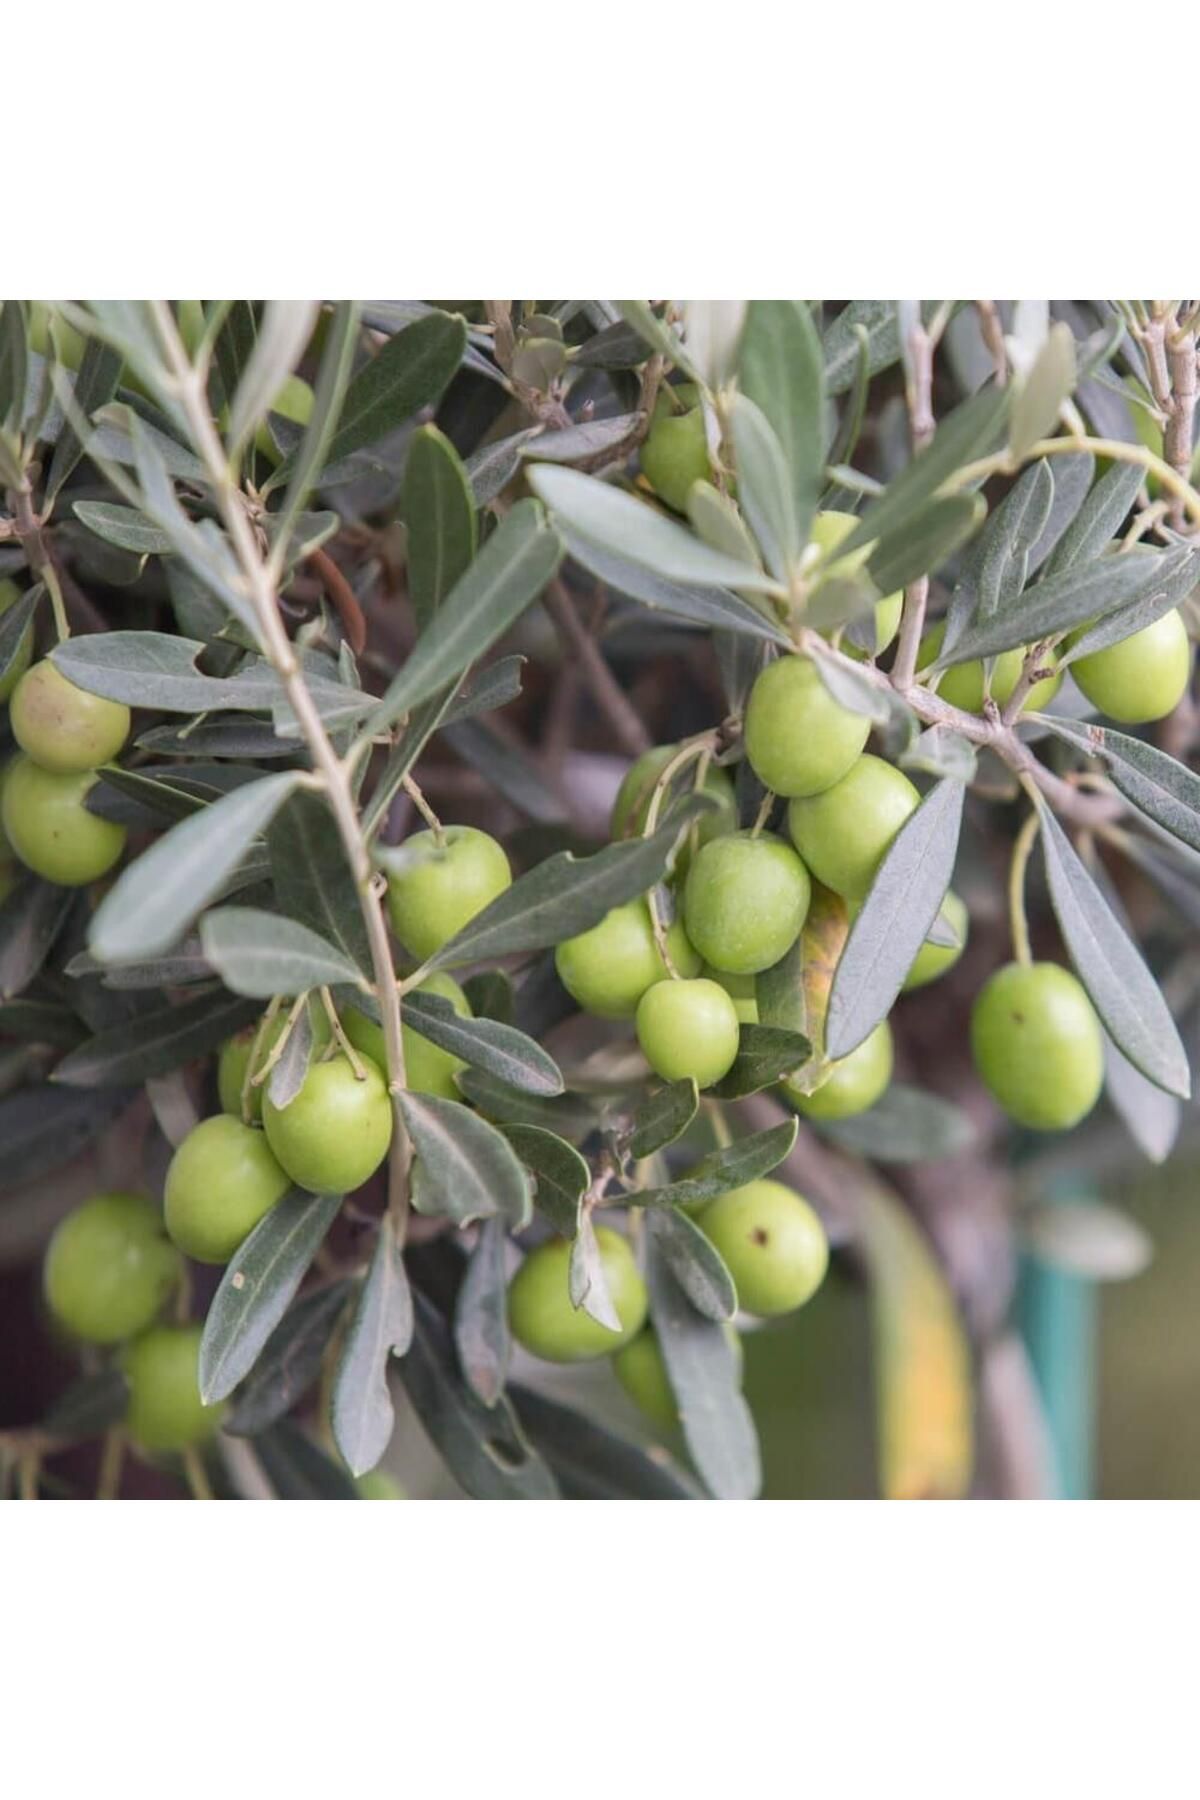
<point x="125" y="527"/>
<point x="283" y="331"/>
<point x="1151" y="1117"/>
<point x="262" y="954"/>
<point x="702" y="1371"/>
<point x="746" y="1159"/>
<point x="382" y="1327"/>
<point x="765" y="1053"/>
<point x="153" y="902"/>
<point x="695" y="1262"/>
<point x="1120" y="986"/>
<point x="713" y="329"/>
<point x="290" y="1361"/>
<point x="438" y="508"/>
<point x="587" y="1283"/>
<point x="300" y="466"/>
<point x="970" y="431"/>
<point x="764" y="487"/>
<point x="485" y="1043"/>
<point x="288" y="1075"/>
<point x="657" y="334"/>
<point x="155" y="1042"/>
<point x="1096" y="521"/>
<point x="1165" y="790"/>
<point x="706" y="606"/>
<point x="781" y="370"/>
<point x="579" y="443"/>
<point x="662" y="1118"/>
<point x="1049" y="382"/>
<point x="481" y="1334"/>
<point x="465" y="1169"/>
<point x="925" y="541"/>
<point x="561" y="1176"/>
<point x="896" y="916"/>
<point x="905" y="1125"/>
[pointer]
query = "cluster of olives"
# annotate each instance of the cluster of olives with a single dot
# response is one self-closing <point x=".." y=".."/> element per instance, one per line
<point x="770" y="1239"/>
<point x="64" y="735"/>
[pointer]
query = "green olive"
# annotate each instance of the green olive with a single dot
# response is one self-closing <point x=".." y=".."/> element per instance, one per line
<point x="1142" y="678"/>
<point x="1038" y="1045"/>
<point x="772" y="1243"/>
<point x="336" y="1131"/>
<point x="443" y="885"/>
<point x="688" y="1028"/>
<point x="165" y="1409"/>
<point x="377" y="1484"/>
<point x="51" y="829"/>
<point x="222" y="1180"/>
<point x="233" y="1062"/>
<point x="933" y="960"/>
<point x="854" y="1082"/>
<point x="540" y="1313"/>
<point x="608" y="969"/>
<point x="745" y="901"/>
<point x="963" y="684"/>
<point x="675" y="453"/>
<point x="829" y="529"/>
<point x="110" y="1268"/>
<point x="741" y="990"/>
<point x="633" y="796"/>
<point x="799" y="739"/>
<point x="63" y="728"/>
<point x="844" y="833"/>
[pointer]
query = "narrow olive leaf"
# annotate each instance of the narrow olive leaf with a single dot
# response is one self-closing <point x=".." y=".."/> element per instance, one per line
<point x="156" y="1042"/>
<point x="89" y="1407"/>
<point x="258" y="1287"/>
<point x="695" y="1262"/>
<point x="382" y="1327"/>
<point x="604" y="514"/>
<point x="907" y="1125"/>
<point x="1165" y="790"/>
<point x="970" y="431"/>
<point x="1120" y="986"/>
<point x="287" y="1077"/>
<point x="15" y="627"/>
<point x="716" y="518"/>
<point x="465" y="1169"/>
<point x="561" y="1176"/>
<point x="484" y="1043"/>
<point x="664" y="1117"/>
<point x="923" y="1376"/>
<point x="487" y="691"/>
<point x="703" y="1373"/>
<point x="95" y="385"/>
<point x="781" y="370"/>
<point x="640" y="316"/>
<point x="581" y="442"/>
<point x="509" y="770"/>
<point x="857" y="692"/>
<point x="1000" y="562"/>
<point x="571" y="1116"/>
<point x="40" y="1022"/>
<point x="481" y="1334"/>
<point x="764" y="488"/>
<point x="765" y="1052"/>
<point x="1087" y="1239"/>
<point x="1095" y="523"/>
<point x="314" y="883"/>
<point x="491" y="995"/>
<point x="744" y="1160"/>
<point x="283" y="331"/>
<point x="1062" y="602"/>
<point x="290" y="1360"/>
<point x="493" y="466"/>
<point x="587" y="1284"/>
<point x="261" y="954"/>
<point x="1144" y="609"/>
<point x="298" y="1469"/>
<point x="156" y="899"/>
<point x="438" y="508"/>
<point x="704" y="606"/>
<point x="30" y="920"/>
<point x="941" y="751"/>
<point x="507" y="576"/>
<point x="617" y="346"/>
<point x="300" y="466"/>
<point x="925" y="541"/>
<point x="43" y="1128"/>
<point x="124" y="526"/>
<point x="565" y="895"/>
<point x="1151" y="1117"/>
<point x="589" y="1462"/>
<point x="1049" y="382"/>
<point x="896" y="918"/>
<point x="483" y="1447"/>
<point x="879" y="320"/>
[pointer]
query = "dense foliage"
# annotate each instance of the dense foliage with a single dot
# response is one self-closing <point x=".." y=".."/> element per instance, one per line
<point x="484" y="789"/>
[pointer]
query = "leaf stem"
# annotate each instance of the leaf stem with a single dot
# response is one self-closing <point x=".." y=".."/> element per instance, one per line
<point x="197" y="1476"/>
<point x="112" y="1457"/>
<point x="1018" y="923"/>
<point x="426" y="811"/>
<point x="340" y="1038"/>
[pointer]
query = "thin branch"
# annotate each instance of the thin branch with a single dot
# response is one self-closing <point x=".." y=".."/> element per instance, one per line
<point x="628" y="729"/>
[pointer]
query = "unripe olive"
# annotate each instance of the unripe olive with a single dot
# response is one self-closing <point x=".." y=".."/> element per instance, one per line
<point x="1142" y="678"/>
<point x="688" y="1028"/>
<point x="233" y="1062"/>
<point x="933" y="960"/>
<point x="443" y="885"/>
<point x="62" y="727"/>
<point x="71" y="342"/>
<point x="641" y="1371"/>
<point x="222" y="1180"/>
<point x="799" y="739"/>
<point x="609" y="968"/>
<point x="745" y="901"/>
<point x="377" y="1484"/>
<point x="741" y="990"/>
<point x="335" y="1133"/>
<point x="110" y="1267"/>
<point x="675" y="452"/>
<point x="1038" y="1045"/>
<point x="844" y="833"/>
<point x="427" y="1068"/>
<point x="540" y="1313"/>
<point x="50" y="828"/>
<point x="829" y="529"/>
<point x="637" y="785"/>
<point x="772" y="1243"/>
<point x="854" y="1082"/>
<point x="165" y="1408"/>
<point x="963" y="684"/>
<point x="10" y="593"/>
